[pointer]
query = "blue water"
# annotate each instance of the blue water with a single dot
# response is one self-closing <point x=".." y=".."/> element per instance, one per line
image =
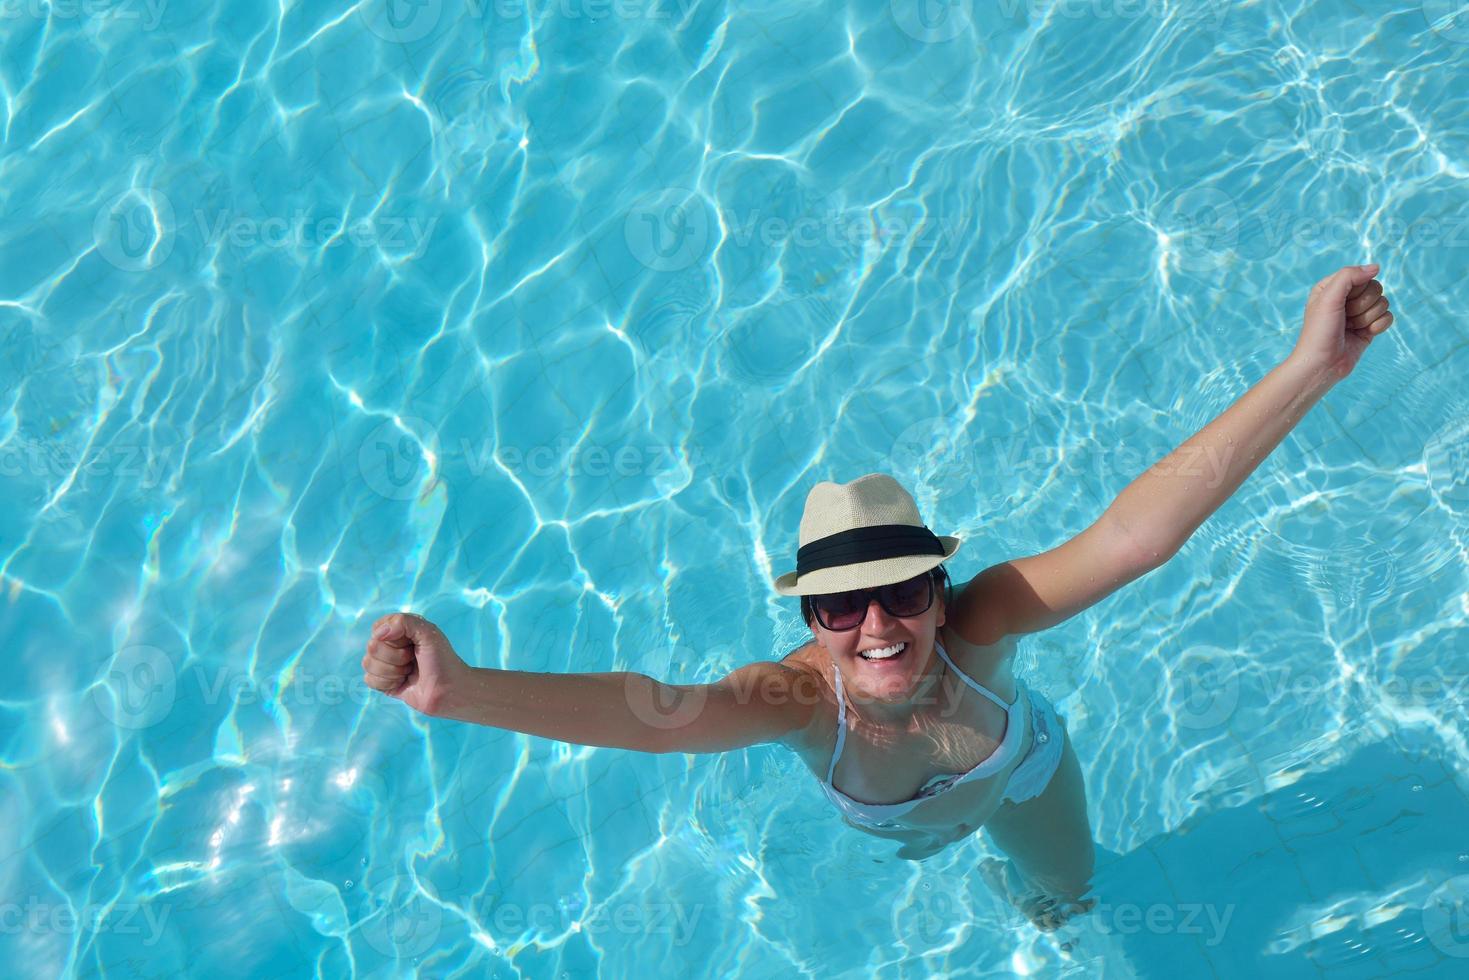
<point x="542" y="323"/>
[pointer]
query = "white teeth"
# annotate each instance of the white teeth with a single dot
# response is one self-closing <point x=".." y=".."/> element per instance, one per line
<point x="884" y="653"/>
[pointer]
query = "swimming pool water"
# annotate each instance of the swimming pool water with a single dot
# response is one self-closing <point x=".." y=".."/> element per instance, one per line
<point x="541" y="319"/>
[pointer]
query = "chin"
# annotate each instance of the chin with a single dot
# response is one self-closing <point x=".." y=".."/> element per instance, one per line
<point x="892" y="690"/>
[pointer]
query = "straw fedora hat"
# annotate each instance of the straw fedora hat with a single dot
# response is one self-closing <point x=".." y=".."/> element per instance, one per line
<point x="860" y="535"/>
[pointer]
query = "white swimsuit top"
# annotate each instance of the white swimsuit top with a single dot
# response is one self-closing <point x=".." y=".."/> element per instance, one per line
<point x="886" y="814"/>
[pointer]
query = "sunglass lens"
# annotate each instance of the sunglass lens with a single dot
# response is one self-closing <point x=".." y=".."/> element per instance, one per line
<point x="841" y="610"/>
<point x="908" y="598"/>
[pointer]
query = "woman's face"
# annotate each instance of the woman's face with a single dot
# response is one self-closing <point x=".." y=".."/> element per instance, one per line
<point x="891" y="680"/>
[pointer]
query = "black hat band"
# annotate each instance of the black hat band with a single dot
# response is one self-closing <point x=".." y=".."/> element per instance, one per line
<point x="863" y="544"/>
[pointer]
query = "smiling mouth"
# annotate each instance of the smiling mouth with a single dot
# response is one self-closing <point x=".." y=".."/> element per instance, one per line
<point x="885" y="653"/>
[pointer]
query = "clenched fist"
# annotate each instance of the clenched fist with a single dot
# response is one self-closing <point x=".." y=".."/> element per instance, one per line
<point x="1345" y="312"/>
<point x="410" y="659"/>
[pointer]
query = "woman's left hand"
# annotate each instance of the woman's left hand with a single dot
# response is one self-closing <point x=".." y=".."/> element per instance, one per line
<point x="1345" y="312"/>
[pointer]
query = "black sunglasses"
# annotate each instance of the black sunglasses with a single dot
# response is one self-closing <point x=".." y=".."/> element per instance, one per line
<point x="842" y="611"/>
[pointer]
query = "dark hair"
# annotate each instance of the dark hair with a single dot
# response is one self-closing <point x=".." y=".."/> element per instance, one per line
<point x="940" y="576"/>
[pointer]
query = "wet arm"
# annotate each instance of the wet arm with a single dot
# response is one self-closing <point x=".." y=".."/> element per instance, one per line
<point x="1148" y="522"/>
<point x="625" y="710"/>
<point x="1163" y="507"/>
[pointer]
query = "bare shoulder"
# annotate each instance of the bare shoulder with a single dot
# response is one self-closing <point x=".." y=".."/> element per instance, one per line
<point x="790" y="677"/>
<point x="990" y="663"/>
<point x="811" y="684"/>
<point x="811" y="667"/>
<point x="976" y="615"/>
<point x="803" y="657"/>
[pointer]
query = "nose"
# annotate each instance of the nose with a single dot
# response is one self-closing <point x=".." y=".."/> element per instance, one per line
<point x="877" y="619"/>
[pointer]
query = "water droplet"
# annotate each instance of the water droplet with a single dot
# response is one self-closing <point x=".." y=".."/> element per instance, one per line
<point x="349" y="882"/>
<point x="1464" y="858"/>
<point x="1417" y="787"/>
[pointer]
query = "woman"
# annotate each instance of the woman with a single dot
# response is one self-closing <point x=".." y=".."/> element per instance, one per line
<point x="904" y="703"/>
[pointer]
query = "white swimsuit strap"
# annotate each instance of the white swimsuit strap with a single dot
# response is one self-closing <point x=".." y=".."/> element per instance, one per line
<point x="974" y="683"/>
<point x="841" y="724"/>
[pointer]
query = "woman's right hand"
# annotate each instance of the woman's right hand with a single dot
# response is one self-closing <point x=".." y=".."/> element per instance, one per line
<point x="1345" y="312"/>
<point x="410" y="659"/>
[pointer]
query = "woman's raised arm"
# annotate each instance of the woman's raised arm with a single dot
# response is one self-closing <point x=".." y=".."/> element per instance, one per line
<point x="1163" y="507"/>
<point x="1156" y="513"/>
